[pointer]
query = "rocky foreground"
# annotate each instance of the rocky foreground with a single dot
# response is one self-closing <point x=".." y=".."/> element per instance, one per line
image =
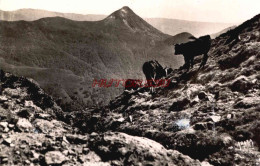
<point x="205" y="117"/>
<point x="32" y="133"/>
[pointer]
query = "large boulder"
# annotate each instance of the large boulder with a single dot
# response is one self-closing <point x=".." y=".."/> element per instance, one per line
<point x="136" y="150"/>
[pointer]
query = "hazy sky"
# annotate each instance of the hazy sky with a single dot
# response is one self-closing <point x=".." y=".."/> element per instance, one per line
<point x="197" y="10"/>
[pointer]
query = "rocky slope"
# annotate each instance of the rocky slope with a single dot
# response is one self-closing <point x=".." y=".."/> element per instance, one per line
<point x="32" y="133"/>
<point x="210" y="114"/>
<point x="214" y="35"/>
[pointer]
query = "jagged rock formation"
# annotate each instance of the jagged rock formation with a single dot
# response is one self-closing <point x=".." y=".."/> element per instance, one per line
<point x="204" y="114"/>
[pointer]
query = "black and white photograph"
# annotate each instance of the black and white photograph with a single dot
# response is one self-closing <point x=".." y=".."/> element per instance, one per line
<point x="129" y="82"/>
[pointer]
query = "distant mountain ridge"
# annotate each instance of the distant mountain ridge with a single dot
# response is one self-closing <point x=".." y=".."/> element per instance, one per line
<point x="35" y="14"/>
<point x="168" y="26"/>
<point x="176" y="26"/>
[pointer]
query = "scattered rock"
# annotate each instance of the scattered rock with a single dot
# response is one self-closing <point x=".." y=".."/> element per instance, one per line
<point x="54" y="158"/>
<point x="24" y="113"/>
<point x="77" y="139"/>
<point x="241" y="84"/>
<point x="44" y="125"/>
<point x="8" y="141"/>
<point x="90" y="157"/>
<point x="14" y="93"/>
<point x="180" y="104"/>
<point x="247" y="102"/>
<point x="97" y="164"/>
<point x="23" y="146"/>
<point x="226" y="139"/>
<point x="27" y="162"/>
<point x="182" y="123"/>
<point x="205" y="108"/>
<point x="3" y="158"/>
<point x="195" y="101"/>
<point x="30" y="104"/>
<point x="85" y="150"/>
<point x="3" y="99"/>
<point x="200" y="126"/>
<point x="229" y="116"/>
<point x="35" y="156"/>
<point x="44" y="116"/>
<point x="215" y="118"/>
<point x="121" y="119"/>
<point x="202" y="95"/>
<point x="4" y="124"/>
<point x="24" y="125"/>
